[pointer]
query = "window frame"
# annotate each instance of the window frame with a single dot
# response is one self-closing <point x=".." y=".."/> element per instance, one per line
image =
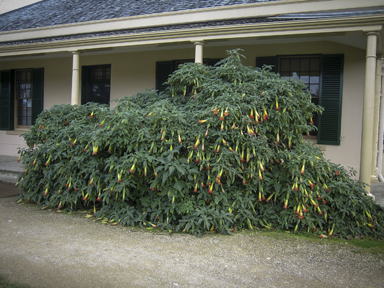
<point x="165" y="68"/>
<point x="16" y="99"/>
<point x="313" y="135"/>
<point x="86" y="80"/>
<point x="331" y="94"/>
<point x="8" y="114"/>
<point x="280" y="57"/>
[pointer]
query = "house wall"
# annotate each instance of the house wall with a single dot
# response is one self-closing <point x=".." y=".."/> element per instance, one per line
<point x="57" y="90"/>
<point x="135" y="71"/>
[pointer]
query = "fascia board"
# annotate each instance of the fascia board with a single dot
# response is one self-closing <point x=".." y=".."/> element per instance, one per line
<point x="263" y="9"/>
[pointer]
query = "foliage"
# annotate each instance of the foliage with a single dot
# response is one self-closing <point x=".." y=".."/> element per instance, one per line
<point x="221" y="149"/>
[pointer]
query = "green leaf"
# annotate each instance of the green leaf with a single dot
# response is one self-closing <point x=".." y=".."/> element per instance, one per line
<point x="165" y="176"/>
<point x="178" y="186"/>
<point x="277" y="187"/>
<point x="171" y="169"/>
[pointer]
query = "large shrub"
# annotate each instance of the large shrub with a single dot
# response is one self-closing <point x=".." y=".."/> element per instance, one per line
<point x="221" y="149"/>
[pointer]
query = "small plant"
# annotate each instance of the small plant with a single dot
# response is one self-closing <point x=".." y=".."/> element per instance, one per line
<point x="221" y="149"/>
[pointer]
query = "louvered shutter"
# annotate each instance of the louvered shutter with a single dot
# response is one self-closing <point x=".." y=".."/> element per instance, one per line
<point x="269" y="60"/>
<point x="331" y="85"/>
<point x="37" y="93"/>
<point x="84" y="83"/>
<point x="163" y="69"/>
<point x="7" y="102"/>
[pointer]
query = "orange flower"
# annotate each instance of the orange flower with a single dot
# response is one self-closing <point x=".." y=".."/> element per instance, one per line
<point x="221" y="116"/>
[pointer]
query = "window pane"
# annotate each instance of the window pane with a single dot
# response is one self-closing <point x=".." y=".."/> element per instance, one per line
<point x="307" y="69"/>
<point x="108" y="73"/>
<point x="96" y="74"/>
<point x="295" y="76"/>
<point x="95" y="84"/>
<point x="315" y="73"/>
<point x="314" y="88"/>
<point x="100" y="93"/>
<point x="284" y="65"/>
<point x="23" y="96"/>
<point x="315" y="63"/>
<point x="305" y="79"/>
<point x="20" y="114"/>
<point x="27" y="94"/>
<point x="295" y="65"/>
<point x="304" y="65"/>
<point x="315" y="79"/>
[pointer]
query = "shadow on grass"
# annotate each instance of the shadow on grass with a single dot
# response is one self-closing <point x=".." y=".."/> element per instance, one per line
<point x="6" y="283"/>
<point x="364" y="244"/>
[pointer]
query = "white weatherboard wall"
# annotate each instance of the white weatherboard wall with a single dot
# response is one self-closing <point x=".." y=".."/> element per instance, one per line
<point x="133" y="72"/>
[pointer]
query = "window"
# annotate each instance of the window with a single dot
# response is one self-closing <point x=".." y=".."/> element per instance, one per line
<point x="306" y="69"/>
<point x="23" y="89"/>
<point x="96" y="84"/>
<point x="21" y="97"/>
<point x="165" y="68"/>
<point x="323" y="76"/>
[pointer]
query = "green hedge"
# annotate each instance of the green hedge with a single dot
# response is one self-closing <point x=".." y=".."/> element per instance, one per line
<point x="221" y="149"/>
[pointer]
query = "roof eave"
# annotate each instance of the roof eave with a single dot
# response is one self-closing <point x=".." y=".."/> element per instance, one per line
<point x="261" y="30"/>
<point x="262" y="9"/>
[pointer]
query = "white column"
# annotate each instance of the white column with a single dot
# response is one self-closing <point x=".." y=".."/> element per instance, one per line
<point x="381" y="127"/>
<point x="75" y="94"/>
<point x="368" y="109"/>
<point x="199" y="51"/>
<point x="376" y="115"/>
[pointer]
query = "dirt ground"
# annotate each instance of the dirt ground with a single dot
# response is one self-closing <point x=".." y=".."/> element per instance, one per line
<point x="48" y="249"/>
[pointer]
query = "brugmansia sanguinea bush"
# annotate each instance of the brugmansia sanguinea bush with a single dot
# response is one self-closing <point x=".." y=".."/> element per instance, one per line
<point x="221" y="149"/>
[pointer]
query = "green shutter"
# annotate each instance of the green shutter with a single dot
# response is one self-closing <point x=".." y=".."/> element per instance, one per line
<point x="7" y="101"/>
<point x="163" y="69"/>
<point x="37" y="93"/>
<point x="331" y="85"/>
<point x="84" y="83"/>
<point x="269" y="60"/>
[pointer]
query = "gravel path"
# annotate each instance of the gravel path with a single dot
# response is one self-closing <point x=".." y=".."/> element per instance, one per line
<point x="48" y="249"/>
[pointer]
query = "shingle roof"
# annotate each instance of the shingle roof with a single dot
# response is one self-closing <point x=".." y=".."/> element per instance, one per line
<point x="57" y="12"/>
<point x="149" y="29"/>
